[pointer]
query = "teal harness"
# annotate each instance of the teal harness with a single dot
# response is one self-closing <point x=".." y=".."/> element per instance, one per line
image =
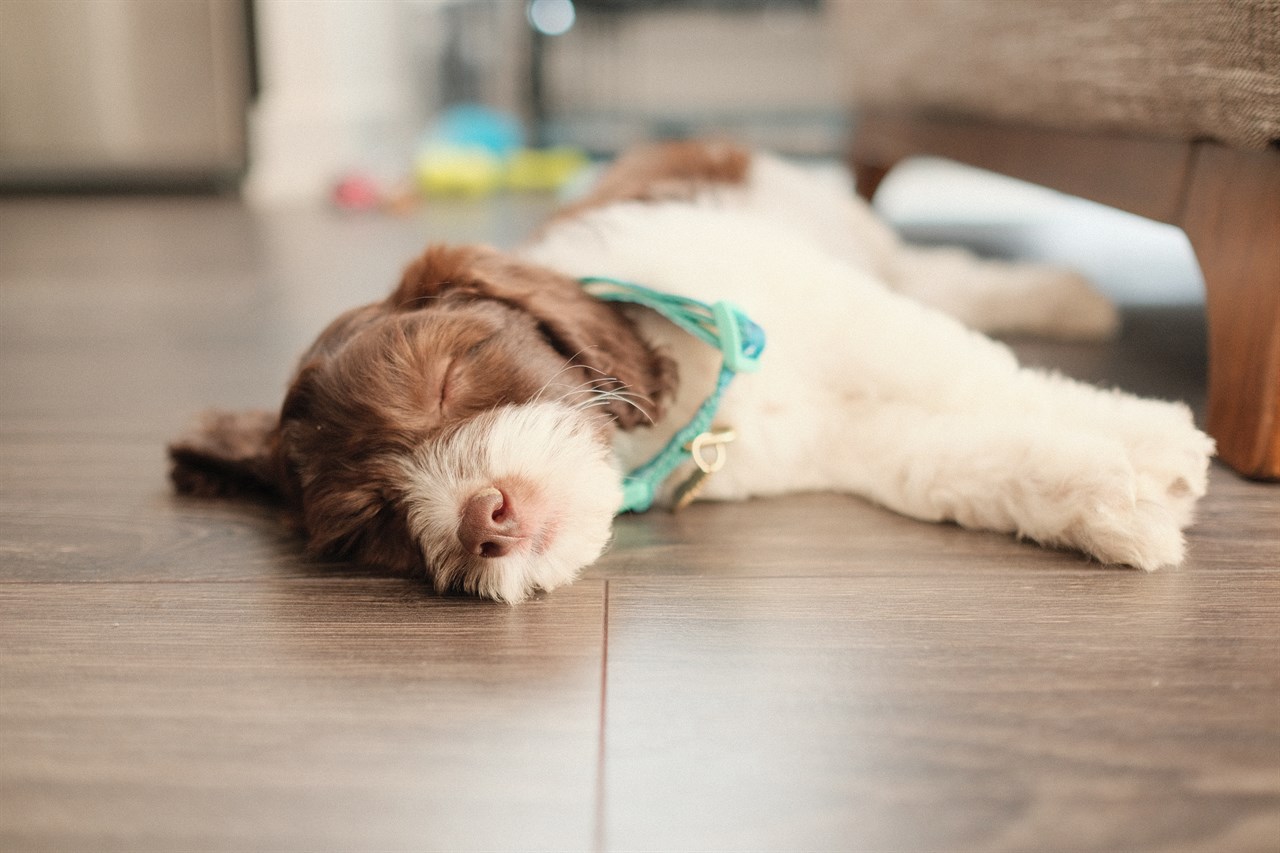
<point x="721" y="325"/>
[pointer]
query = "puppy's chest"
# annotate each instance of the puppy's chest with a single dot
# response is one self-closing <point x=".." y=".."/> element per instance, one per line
<point x="754" y="408"/>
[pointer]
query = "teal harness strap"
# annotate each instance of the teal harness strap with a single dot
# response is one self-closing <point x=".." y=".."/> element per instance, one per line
<point x="721" y="325"/>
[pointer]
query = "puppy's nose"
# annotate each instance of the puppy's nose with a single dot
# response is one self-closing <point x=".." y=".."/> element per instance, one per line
<point x="489" y="527"/>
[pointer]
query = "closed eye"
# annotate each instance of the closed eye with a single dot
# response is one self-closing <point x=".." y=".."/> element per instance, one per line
<point x="445" y="383"/>
<point x="478" y="346"/>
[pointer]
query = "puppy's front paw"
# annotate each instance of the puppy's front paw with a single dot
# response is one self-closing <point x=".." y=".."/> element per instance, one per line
<point x="1108" y="510"/>
<point x="1173" y="469"/>
<point x="1169" y="455"/>
<point x="1133" y="532"/>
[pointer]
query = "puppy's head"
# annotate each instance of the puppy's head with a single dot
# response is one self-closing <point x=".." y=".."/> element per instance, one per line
<point x="462" y="427"/>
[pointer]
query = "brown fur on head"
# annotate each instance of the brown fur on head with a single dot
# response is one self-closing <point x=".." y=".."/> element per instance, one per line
<point x="467" y="330"/>
<point x="584" y="331"/>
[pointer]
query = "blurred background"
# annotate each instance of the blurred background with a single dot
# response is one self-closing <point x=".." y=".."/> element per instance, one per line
<point x="383" y="106"/>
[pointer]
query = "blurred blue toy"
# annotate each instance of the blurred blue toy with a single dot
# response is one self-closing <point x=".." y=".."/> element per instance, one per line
<point x="475" y="125"/>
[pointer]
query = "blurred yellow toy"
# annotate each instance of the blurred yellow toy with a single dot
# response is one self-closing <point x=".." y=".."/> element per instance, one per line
<point x="532" y="170"/>
<point x="458" y="170"/>
<point x="472" y="151"/>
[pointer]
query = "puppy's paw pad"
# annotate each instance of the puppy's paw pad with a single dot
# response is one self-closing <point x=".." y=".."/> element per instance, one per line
<point x="1173" y="470"/>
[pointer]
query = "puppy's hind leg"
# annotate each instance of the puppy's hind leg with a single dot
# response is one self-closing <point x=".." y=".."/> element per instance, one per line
<point x="990" y="296"/>
<point x="1024" y="475"/>
<point x="1004" y="297"/>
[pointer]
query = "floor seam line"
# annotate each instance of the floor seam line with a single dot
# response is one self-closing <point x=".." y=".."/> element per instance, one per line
<point x="598" y="840"/>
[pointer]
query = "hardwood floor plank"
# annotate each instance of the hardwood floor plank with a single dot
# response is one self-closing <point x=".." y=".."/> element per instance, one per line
<point x="96" y="509"/>
<point x="296" y="716"/>
<point x="1002" y="711"/>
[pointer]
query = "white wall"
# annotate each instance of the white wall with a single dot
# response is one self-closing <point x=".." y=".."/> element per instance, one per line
<point x="350" y="84"/>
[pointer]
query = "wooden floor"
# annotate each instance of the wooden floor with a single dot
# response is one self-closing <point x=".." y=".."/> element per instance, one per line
<point x="800" y="674"/>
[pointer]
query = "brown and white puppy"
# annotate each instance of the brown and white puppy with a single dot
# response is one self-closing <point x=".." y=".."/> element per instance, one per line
<point x="463" y="421"/>
<point x="474" y="426"/>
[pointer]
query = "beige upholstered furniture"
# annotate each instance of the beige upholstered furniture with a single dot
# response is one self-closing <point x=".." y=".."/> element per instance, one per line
<point x="1166" y="108"/>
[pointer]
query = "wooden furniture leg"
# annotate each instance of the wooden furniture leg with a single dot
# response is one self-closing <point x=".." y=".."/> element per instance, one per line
<point x="1227" y="202"/>
<point x="1232" y="219"/>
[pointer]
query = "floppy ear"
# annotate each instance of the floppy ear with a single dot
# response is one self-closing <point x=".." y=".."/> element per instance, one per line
<point x="585" y="330"/>
<point x="228" y="454"/>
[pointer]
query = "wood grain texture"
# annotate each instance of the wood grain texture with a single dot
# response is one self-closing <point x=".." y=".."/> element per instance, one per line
<point x="318" y="715"/>
<point x="1040" y="710"/>
<point x="804" y="673"/>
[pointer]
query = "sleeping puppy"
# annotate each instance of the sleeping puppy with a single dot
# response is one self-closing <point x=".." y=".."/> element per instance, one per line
<point x="485" y="422"/>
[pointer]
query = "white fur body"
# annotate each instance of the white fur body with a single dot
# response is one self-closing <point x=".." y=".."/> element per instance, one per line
<point x="866" y="389"/>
